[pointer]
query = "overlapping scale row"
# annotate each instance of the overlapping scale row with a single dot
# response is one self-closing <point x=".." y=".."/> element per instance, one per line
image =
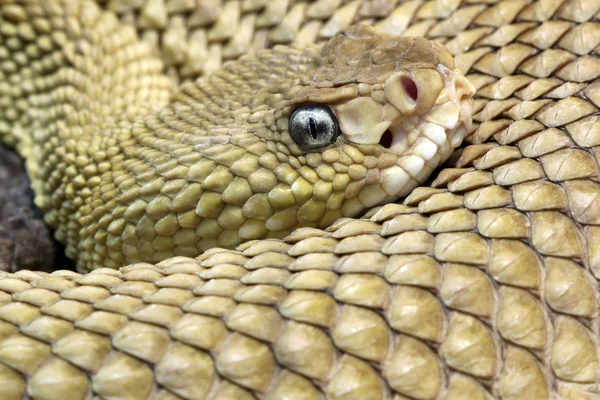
<point x="195" y="37"/>
<point x="363" y="310"/>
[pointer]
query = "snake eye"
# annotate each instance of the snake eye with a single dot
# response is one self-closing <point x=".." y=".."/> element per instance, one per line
<point x="313" y="127"/>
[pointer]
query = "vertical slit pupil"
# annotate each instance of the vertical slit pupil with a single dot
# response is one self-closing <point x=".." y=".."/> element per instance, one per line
<point x="312" y="126"/>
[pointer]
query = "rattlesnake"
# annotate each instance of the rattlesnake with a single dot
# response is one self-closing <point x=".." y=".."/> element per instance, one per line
<point x="481" y="284"/>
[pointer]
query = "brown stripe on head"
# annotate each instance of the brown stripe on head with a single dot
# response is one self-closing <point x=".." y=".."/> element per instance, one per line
<point x="361" y="54"/>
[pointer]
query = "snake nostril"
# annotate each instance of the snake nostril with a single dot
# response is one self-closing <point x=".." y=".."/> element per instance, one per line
<point x="410" y="87"/>
<point x="386" y="139"/>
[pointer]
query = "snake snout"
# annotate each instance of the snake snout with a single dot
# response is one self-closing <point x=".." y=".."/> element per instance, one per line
<point x="416" y="116"/>
<point x="464" y="92"/>
<point x="433" y="104"/>
<point x="435" y="108"/>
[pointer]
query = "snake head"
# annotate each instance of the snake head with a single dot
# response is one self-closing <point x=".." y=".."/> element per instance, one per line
<point x="401" y="107"/>
<point x="289" y="137"/>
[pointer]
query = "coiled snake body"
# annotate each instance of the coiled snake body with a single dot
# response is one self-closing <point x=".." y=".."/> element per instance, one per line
<point x="481" y="284"/>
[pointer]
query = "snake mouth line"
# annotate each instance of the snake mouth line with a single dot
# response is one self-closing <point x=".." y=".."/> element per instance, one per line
<point x="404" y="133"/>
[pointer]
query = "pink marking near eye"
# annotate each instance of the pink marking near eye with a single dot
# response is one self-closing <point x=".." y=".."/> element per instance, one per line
<point x="411" y="87"/>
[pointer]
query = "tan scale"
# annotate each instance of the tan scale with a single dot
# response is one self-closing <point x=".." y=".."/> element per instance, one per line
<point x="482" y="285"/>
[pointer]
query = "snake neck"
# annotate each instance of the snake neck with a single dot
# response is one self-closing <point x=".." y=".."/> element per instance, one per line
<point x="74" y="82"/>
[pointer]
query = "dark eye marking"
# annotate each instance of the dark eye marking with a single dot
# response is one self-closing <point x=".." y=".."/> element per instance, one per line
<point x="313" y="127"/>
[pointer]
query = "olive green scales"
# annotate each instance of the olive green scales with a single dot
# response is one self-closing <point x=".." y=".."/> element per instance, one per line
<point x="482" y="284"/>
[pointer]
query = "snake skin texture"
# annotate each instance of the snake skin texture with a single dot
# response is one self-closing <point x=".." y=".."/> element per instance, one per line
<point x="482" y="284"/>
<point x="125" y="175"/>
